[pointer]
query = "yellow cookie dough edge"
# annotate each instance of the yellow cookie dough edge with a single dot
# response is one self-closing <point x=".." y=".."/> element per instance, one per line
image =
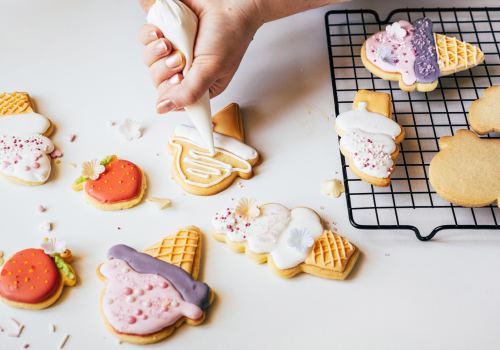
<point x="422" y="87"/>
<point x="65" y="281"/>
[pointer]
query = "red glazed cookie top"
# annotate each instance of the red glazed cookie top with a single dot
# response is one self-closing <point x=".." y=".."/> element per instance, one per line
<point x="30" y="276"/>
<point x="121" y="181"/>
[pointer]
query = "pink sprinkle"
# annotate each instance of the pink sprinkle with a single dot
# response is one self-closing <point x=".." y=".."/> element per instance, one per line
<point x="69" y="137"/>
<point x="138" y="312"/>
<point x="163" y="285"/>
<point x="228" y="213"/>
<point x="14" y="335"/>
<point x="144" y="317"/>
<point x="26" y="346"/>
<point x="14" y="322"/>
<point x="216" y="218"/>
<point x="237" y="228"/>
<point x="40" y="208"/>
<point x="148" y="287"/>
<point x="388" y="169"/>
<point x="26" y="168"/>
<point x="355" y="154"/>
<point x="131" y="320"/>
<point x="228" y="226"/>
<point x="127" y="291"/>
<point x="1" y="329"/>
<point x="55" y="153"/>
<point x="119" y="228"/>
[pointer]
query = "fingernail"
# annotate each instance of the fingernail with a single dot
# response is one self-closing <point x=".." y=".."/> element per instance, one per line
<point x="152" y="35"/>
<point x="173" y="61"/>
<point x="173" y="81"/>
<point x="165" y="106"/>
<point x="160" y="48"/>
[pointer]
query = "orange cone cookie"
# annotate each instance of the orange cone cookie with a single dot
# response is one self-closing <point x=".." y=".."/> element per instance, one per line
<point x="111" y="184"/>
<point x="34" y="278"/>
<point x="148" y="295"/>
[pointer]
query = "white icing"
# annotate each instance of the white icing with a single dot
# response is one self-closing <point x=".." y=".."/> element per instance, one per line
<point x="179" y="25"/>
<point x="370" y="138"/>
<point x="361" y="118"/>
<point x="269" y="232"/>
<point x="22" y="145"/>
<point x="210" y="166"/>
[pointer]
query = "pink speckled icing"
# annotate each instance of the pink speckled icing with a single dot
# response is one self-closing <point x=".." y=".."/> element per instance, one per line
<point x="136" y="303"/>
<point x="403" y="49"/>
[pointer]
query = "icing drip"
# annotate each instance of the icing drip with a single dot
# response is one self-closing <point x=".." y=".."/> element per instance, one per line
<point x="403" y="49"/>
<point x="370" y="138"/>
<point x="426" y="65"/>
<point x="22" y="147"/>
<point x="197" y="293"/>
<point x="269" y="232"/>
<point x="210" y="166"/>
<point x="136" y="303"/>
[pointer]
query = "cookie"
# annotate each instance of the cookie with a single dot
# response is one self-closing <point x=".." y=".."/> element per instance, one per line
<point x="291" y="241"/>
<point x="484" y="114"/>
<point x="466" y="170"/>
<point x="370" y="138"/>
<point x="415" y="56"/>
<point x="199" y="173"/>
<point x="148" y="295"/>
<point x="34" y="278"/>
<point x="111" y="184"/>
<point x="24" y="144"/>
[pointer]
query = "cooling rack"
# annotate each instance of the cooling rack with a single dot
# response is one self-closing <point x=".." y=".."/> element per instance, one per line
<point x="410" y="200"/>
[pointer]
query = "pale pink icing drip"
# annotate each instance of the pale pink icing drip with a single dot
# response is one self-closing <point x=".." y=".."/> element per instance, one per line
<point x="151" y="319"/>
<point x="403" y="49"/>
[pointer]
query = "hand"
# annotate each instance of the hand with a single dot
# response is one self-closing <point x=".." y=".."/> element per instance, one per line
<point x="224" y="33"/>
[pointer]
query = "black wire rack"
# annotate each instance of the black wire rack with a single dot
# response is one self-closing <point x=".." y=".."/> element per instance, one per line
<point x="426" y="117"/>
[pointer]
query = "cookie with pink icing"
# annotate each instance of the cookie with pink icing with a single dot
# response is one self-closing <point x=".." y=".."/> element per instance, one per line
<point x="415" y="56"/>
<point x="149" y="294"/>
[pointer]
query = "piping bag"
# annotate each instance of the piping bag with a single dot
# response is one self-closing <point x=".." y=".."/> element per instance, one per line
<point x="179" y="25"/>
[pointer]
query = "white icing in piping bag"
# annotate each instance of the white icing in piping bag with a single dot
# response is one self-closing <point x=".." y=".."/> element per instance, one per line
<point x="179" y="25"/>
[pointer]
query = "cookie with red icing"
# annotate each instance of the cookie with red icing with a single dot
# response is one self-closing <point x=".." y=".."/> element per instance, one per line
<point x="34" y="278"/>
<point x="111" y="184"/>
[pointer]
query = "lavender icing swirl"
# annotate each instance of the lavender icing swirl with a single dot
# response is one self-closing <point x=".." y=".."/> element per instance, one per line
<point x="426" y="66"/>
<point x="197" y="293"/>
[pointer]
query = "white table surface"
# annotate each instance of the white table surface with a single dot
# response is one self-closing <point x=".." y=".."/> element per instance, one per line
<point x="81" y="63"/>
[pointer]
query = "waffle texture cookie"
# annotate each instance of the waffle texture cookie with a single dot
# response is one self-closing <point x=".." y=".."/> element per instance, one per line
<point x="466" y="170"/>
<point x="484" y="114"/>
<point x="24" y="144"/>
<point x="415" y="56"/>
<point x="111" y="184"/>
<point x="370" y="138"/>
<point x="291" y="241"/>
<point x="148" y="295"/>
<point x="34" y="278"/>
<point x="197" y="171"/>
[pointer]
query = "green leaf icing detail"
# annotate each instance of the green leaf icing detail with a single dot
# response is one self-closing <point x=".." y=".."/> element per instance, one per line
<point x="106" y="160"/>
<point x="80" y="179"/>
<point x="62" y="266"/>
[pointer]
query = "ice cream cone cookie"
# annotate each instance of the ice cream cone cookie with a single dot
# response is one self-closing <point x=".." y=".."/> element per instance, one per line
<point x="415" y="56"/>
<point x="484" y="114"/>
<point x="148" y="295"/>
<point x="111" y="184"/>
<point x="291" y="241"/>
<point x="34" y="278"/>
<point x="24" y="144"/>
<point x="466" y="170"/>
<point x="198" y="172"/>
<point x="370" y="138"/>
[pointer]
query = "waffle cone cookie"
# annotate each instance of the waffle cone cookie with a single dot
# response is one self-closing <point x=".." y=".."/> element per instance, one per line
<point x="148" y="295"/>
<point x="484" y="114"/>
<point x="34" y="278"/>
<point x="199" y="173"/>
<point x="370" y="138"/>
<point x="291" y="241"/>
<point x="24" y="144"/>
<point x="111" y="184"/>
<point x="413" y="55"/>
<point x="466" y="170"/>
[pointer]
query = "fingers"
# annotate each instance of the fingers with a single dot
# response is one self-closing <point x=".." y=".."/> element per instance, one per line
<point x="165" y="68"/>
<point x="146" y="4"/>
<point x="155" y="50"/>
<point x="149" y="33"/>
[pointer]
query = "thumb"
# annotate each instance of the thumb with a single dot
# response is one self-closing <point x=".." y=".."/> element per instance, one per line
<point x="146" y="4"/>
<point x="191" y="89"/>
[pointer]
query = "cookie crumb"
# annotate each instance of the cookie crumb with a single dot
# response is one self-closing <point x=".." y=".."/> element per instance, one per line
<point x="58" y="161"/>
<point x="73" y="165"/>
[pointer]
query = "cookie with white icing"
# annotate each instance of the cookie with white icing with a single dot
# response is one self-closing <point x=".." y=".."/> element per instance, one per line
<point x="415" y="56"/>
<point x="111" y="184"/>
<point x="34" y="278"/>
<point x="24" y="144"/>
<point x="148" y="295"/>
<point x="291" y="241"/>
<point x="202" y="174"/>
<point x="370" y="138"/>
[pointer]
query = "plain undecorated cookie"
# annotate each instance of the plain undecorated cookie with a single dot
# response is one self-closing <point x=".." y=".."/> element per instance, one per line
<point x="484" y="114"/>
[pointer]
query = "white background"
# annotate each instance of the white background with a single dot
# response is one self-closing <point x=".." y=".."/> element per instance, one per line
<point x="81" y="63"/>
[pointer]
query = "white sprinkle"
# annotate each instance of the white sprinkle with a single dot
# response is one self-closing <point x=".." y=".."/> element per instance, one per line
<point x="20" y="329"/>
<point x="45" y="226"/>
<point x="119" y="342"/>
<point x="110" y="123"/>
<point x="52" y="328"/>
<point x="14" y="322"/>
<point x="64" y="341"/>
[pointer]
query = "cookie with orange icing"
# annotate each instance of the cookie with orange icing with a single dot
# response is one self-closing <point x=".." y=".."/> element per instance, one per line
<point x="111" y="184"/>
<point x="34" y="278"/>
